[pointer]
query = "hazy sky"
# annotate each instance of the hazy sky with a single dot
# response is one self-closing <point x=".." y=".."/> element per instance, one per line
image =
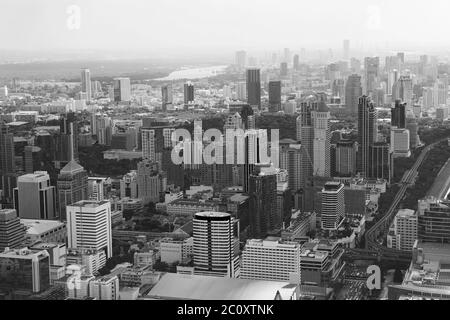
<point x="219" y="24"/>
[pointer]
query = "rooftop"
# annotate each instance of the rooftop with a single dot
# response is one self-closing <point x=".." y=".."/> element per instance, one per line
<point x="40" y="226"/>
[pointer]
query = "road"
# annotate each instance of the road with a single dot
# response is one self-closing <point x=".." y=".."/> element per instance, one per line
<point x="382" y="226"/>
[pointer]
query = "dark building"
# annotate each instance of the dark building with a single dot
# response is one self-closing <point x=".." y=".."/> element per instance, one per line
<point x="398" y="115"/>
<point x="254" y="88"/>
<point x="188" y="93"/>
<point x="263" y="203"/>
<point x="32" y="159"/>
<point x="283" y="69"/>
<point x="434" y="223"/>
<point x="68" y="126"/>
<point x="8" y="178"/>
<point x="353" y="91"/>
<point x="274" y="96"/>
<point x="166" y="96"/>
<point x="296" y="62"/>
<point x="367" y="132"/>
<point x="380" y="162"/>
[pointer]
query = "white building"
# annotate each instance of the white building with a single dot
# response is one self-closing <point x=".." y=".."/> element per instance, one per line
<point x="321" y="143"/>
<point x="89" y="226"/>
<point x="173" y="250"/>
<point x="104" y="288"/>
<point x="122" y="90"/>
<point x="400" y="143"/>
<point x="34" y="197"/>
<point x="271" y="259"/>
<point x="333" y="206"/>
<point x="403" y="233"/>
<point x="214" y="244"/>
<point x="96" y="188"/>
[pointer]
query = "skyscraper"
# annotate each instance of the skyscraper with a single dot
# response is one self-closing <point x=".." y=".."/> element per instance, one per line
<point x="89" y="226"/>
<point x="12" y="232"/>
<point x="96" y="188"/>
<point x="321" y="144"/>
<point x="8" y="179"/>
<point x="156" y="137"/>
<point x="398" y="115"/>
<point x="353" y="91"/>
<point x="346" y="49"/>
<point x="188" y="93"/>
<point x="403" y="90"/>
<point x="151" y="181"/>
<point x="166" y="96"/>
<point x="254" y="88"/>
<point x="333" y="206"/>
<point x="283" y="69"/>
<point x="241" y="59"/>
<point x="293" y="159"/>
<point x="214" y="244"/>
<point x="263" y="202"/>
<point x="296" y="64"/>
<point x="345" y="158"/>
<point x="367" y="133"/>
<point x="122" y="90"/>
<point x="34" y="197"/>
<point x="274" y="96"/>
<point x="305" y="133"/>
<point x="371" y="70"/>
<point x="86" y="83"/>
<point x="381" y="163"/>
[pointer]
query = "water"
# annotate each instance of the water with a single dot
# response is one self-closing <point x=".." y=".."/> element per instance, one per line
<point x="196" y="73"/>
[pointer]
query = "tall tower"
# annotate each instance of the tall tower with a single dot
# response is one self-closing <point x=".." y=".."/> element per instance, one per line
<point x="398" y="115"/>
<point x="166" y="96"/>
<point x="122" y="90"/>
<point x="274" y="96"/>
<point x="367" y="132"/>
<point x="254" y="87"/>
<point x="371" y="70"/>
<point x="188" y="93"/>
<point x="296" y="64"/>
<point x="86" y="83"/>
<point x="305" y="133"/>
<point x="353" y="91"/>
<point x="214" y="244"/>
<point x="89" y="226"/>
<point x="333" y="206"/>
<point x="321" y="144"/>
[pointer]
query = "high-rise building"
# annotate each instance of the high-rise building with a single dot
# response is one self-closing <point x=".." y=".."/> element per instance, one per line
<point x="371" y="70"/>
<point x="274" y="96"/>
<point x="434" y="221"/>
<point x="8" y="178"/>
<point x="380" y="162"/>
<point x="253" y="81"/>
<point x="413" y="127"/>
<point x="346" y="49"/>
<point x="188" y="93"/>
<point x="353" y="91"/>
<point x="151" y="181"/>
<point x="296" y="64"/>
<point x="305" y="134"/>
<point x="321" y="144"/>
<point x="345" y="158"/>
<point x="166" y="96"/>
<point x="241" y="91"/>
<point x="215" y="244"/>
<point x="241" y="59"/>
<point x="333" y="206"/>
<point x="403" y="90"/>
<point x="400" y="142"/>
<point x="403" y="235"/>
<point x="103" y="129"/>
<point x="263" y="202"/>
<point x="72" y="186"/>
<point x="398" y="115"/>
<point x="89" y="226"/>
<point x="129" y="185"/>
<point x="122" y="90"/>
<point x="96" y="188"/>
<point x="12" y="232"/>
<point x="25" y="270"/>
<point x="271" y="259"/>
<point x="86" y="83"/>
<point x="367" y="132"/>
<point x="283" y="69"/>
<point x="293" y="158"/>
<point x="34" y="197"/>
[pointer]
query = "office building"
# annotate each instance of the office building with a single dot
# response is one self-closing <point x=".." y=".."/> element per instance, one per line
<point x="271" y="259"/>
<point x="371" y="74"/>
<point x="321" y="144"/>
<point x="253" y="80"/>
<point x="104" y="288"/>
<point x="403" y="233"/>
<point x="333" y="206"/>
<point x="434" y="222"/>
<point x="293" y="158"/>
<point x="345" y="158"/>
<point x="166" y="97"/>
<point x="400" y="143"/>
<point x="96" y="188"/>
<point x="367" y="132"/>
<point x="188" y="93"/>
<point x="274" y="96"/>
<point x="403" y="90"/>
<point x="398" y="115"/>
<point x="151" y="181"/>
<point x="380" y="162"/>
<point x="34" y="197"/>
<point x="89" y="226"/>
<point x="122" y="90"/>
<point x="353" y="91"/>
<point x="86" y="86"/>
<point x="214" y="248"/>
<point x="296" y="63"/>
<point x="283" y="69"/>
<point x="25" y="270"/>
<point x="12" y="232"/>
<point x="129" y="185"/>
